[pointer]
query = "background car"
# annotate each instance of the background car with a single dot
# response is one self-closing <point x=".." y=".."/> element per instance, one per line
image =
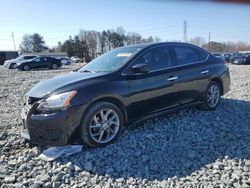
<point x="65" y="61"/>
<point x="39" y="62"/>
<point x="245" y="59"/>
<point x="75" y="59"/>
<point x="240" y="58"/>
<point x="217" y="55"/>
<point x="124" y="85"/>
<point x="226" y="57"/>
<point x="11" y="64"/>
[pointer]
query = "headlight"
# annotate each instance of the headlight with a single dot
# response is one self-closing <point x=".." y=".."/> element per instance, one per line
<point x="56" y="102"/>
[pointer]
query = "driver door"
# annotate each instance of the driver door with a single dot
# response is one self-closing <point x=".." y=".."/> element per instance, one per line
<point x="35" y="63"/>
<point x="155" y="90"/>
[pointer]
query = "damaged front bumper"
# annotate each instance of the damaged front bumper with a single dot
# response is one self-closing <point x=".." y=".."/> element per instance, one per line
<point x="54" y="129"/>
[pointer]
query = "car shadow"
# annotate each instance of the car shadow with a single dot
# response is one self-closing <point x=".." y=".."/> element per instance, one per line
<point x="176" y="144"/>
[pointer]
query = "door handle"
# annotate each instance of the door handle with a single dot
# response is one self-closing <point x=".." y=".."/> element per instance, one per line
<point x="172" y="78"/>
<point x="204" y="71"/>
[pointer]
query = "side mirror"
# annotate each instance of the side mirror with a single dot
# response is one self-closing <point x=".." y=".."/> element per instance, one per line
<point x="140" y="68"/>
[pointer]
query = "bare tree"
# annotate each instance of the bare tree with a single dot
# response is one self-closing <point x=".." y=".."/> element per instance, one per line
<point x="199" y="41"/>
<point x="133" y="38"/>
<point x="91" y="39"/>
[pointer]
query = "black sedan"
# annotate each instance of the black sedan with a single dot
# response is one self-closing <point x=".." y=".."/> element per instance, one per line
<point x="226" y="57"/>
<point x="123" y="86"/>
<point x="242" y="59"/>
<point x="39" y="62"/>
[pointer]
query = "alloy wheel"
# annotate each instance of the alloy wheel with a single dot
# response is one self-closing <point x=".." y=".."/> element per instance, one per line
<point x="54" y="66"/>
<point x="26" y="67"/>
<point x="104" y="126"/>
<point x="213" y="96"/>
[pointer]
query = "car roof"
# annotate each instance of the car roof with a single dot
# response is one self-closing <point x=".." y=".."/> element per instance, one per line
<point x="145" y="45"/>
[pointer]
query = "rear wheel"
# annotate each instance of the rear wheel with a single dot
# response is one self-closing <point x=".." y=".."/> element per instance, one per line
<point x="212" y="97"/>
<point x="102" y="124"/>
<point x="26" y="67"/>
<point x="54" y="66"/>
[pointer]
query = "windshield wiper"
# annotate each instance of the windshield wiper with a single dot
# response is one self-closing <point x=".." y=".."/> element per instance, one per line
<point x="88" y="71"/>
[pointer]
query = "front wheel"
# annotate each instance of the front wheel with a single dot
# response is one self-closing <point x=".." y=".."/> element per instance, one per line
<point x="54" y="66"/>
<point x="12" y="66"/>
<point x="26" y="67"/>
<point x="102" y="124"/>
<point x="212" y="97"/>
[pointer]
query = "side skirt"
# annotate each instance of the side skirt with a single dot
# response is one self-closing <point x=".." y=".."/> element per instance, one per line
<point x="167" y="111"/>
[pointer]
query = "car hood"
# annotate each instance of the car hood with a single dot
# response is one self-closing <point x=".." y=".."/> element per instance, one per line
<point x="23" y="61"/>
<point x="9" y="61"/>
<point x="60" y="84"/>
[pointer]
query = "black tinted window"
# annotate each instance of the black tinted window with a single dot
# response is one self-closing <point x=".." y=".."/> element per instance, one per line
<point x="203" y="55"/>
<point x="186" y="55"/>
<point x="156" y="58"/>
<point x="29" y="57"/>
<point x="37" y="59"/>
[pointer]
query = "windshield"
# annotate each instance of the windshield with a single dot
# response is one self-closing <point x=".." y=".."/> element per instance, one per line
<point x="110" y="61"/>
<point x="19" y="58"/>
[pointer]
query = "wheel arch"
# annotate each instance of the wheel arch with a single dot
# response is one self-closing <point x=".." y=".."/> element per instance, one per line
<point x="219" y="81"/>
<point x="113" y="100"/>
<point x="116" y="102"/>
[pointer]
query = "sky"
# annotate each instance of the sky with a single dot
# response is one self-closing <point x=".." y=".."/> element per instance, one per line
<point x="55" y="20"/>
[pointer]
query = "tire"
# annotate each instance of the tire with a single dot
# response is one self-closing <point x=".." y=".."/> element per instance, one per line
<point x="26" y="67"/>
<point x="54" y="66"/>
<point x="212" y="97"/>
<point x="95" y="130"/>
<point x="12" y="66"/>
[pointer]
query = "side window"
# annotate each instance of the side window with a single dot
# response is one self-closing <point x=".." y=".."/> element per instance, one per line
<point x="37" y="60"/>
<point x="156" y="58"/>
<point x="29" y="57"/>
<point x="186" y="55"/>
<point x="203" y="55"/>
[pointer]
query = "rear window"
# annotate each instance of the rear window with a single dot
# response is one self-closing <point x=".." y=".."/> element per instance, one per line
<point x="203" y="55"/>
<point x="186" y="55"/>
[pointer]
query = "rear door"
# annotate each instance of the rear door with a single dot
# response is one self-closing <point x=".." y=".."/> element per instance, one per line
<point x="190" y="63"/>
<point x="47" y="61"/>
<point x="156" y="90"/>
<point x="35" y="63"/>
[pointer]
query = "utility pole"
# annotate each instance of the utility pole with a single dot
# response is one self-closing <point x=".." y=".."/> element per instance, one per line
<point x="185" y="31"/>
<point x="13" y="40"/>
<point x="209" y="39"/>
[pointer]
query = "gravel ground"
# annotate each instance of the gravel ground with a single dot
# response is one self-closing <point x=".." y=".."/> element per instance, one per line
<point x="190" y="148"/>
